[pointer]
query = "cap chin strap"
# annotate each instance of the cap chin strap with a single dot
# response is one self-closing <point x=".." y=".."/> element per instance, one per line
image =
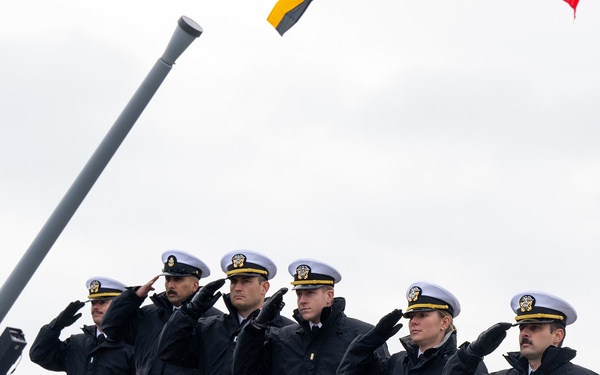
<point x="246" y="270"/>
<point x="540" y="316"/>
<point x="312" y="282"/>
<point x="428" y="306"/>
<point x="107" y="294"/>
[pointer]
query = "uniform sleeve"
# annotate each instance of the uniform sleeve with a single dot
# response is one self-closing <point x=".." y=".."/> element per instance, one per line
<point x="131" y="362"/>
<point x="178" y="341"/>
<point x="461" y="364"/>
<point x="120" y="320"/>
<point x="249" y="356"/>
<point x="481" y="369"/>
<point x="47" y="349"/>
<point x="212" y="312"/>
<point x="365" y="355"/>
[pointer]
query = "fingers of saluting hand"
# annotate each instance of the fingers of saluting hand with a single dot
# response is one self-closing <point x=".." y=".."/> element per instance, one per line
<point x="147" y="288"/>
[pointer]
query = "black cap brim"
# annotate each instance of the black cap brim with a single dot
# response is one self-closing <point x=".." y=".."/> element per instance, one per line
<point x="408" y="314"/>
<point x="177" y="274"/>
<point x="538" y="321"/>
<point x="99" y="299"/>
<point x="245" y="274"/>
<point x="308" y="287"/>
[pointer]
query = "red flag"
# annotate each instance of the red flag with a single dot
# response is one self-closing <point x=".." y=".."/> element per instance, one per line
<point x="573" y="4"/>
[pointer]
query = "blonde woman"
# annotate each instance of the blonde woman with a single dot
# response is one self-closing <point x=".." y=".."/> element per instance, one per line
<point x="431" y="341"/>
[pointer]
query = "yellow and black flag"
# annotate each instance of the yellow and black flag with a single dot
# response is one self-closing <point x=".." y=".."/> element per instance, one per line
<point x="286" y="13"/>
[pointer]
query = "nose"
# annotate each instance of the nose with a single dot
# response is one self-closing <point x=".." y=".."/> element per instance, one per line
<point x="525" y="333"/>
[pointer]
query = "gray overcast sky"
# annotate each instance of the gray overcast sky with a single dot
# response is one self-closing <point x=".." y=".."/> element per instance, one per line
<point x="448" y="141"/>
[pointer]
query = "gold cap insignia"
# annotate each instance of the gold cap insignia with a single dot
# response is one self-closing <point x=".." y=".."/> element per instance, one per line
<point x="238" y="260"/>
<point x="94" y="286"/>
<point x="414" y="293"/>
<point x="302" y="271"/>
<point x="171" y="260"/>
<point x="526" y="303"/>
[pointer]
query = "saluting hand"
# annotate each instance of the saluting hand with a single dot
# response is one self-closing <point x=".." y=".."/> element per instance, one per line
<point x="143" y="291"/>
<point x="68" y="316"/>
<point x="204" y="299"/>
<point x="387" y="326"/>
<point x="488" y="340"/>
<point x="269" y="309"/>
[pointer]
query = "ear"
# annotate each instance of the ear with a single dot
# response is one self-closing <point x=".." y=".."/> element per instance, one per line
<point x="558" y="336"/>
<point x="445" y="322"/>
<point x="265" y="287"/>
<point x="330" y="295"/>
<point x="196" y="283"/>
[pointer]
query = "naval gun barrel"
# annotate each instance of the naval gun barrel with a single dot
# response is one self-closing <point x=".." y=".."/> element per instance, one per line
<point x="186" y="32"/>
